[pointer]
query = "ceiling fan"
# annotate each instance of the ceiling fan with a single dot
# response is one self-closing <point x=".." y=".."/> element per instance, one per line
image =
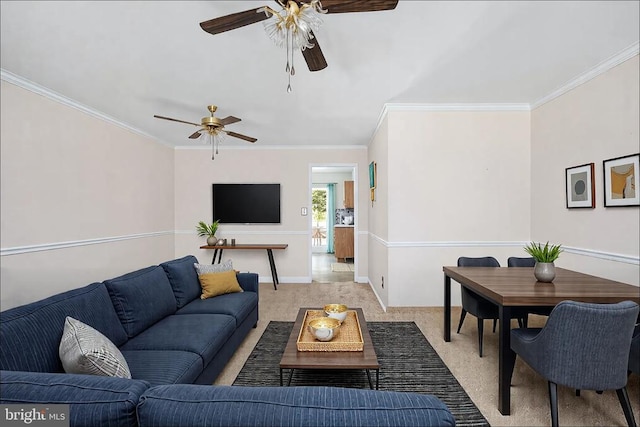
<point x="212" y="129"/>
<point x="293" y="26"/>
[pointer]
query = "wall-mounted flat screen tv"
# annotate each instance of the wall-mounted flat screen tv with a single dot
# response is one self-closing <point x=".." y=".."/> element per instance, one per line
<point x="246" y="203"/>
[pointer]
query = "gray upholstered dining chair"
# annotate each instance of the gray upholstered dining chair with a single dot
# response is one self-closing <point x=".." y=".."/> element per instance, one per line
<point x="582" y="346"/>
<point x="514" y="261"/>
<point x="477" y="305"/>
<point x="634" y="353"/>
<point x="528" y="262"/>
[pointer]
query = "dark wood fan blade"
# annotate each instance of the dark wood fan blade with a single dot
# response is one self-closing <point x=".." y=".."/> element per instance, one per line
<point x="175" y="120"/>
<point x="195" y="135"/>
<point x="314" y="57"/>
<point x="229" y="120"/>
<point x="345" y="6"/>
<point x="233" y="21"/>
<point x="239" y="135"/>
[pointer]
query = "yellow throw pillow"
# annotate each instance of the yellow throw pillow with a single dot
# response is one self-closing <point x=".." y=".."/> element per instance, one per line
<point x="214" y="284"/>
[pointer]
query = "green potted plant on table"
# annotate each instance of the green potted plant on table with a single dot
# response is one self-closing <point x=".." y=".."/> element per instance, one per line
<point x="545" y="269"/>
<point x="208" y="230"/>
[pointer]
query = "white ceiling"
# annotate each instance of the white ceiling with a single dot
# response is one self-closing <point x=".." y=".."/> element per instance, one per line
<point x="130" y="60"/>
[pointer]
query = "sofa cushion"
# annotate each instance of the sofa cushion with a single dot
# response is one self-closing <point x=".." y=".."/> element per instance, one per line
<point x="183" y="278"/>
<point x="83" y="350"/>
<point x="30" y="334"/>
<point x="194" y="405"/>
<point x="92" y="400"/>
<point x="203" y="334"/>
<point x="238" y="305"/>
<point x="141" y="298"/>
<point x="214" y="284"/>
<point x="214" y="268"/>
<point x="164" y="366"/>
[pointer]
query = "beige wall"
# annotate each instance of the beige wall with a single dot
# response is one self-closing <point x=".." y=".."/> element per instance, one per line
<point x="82" y="199"/>
<point x="454" y="183"/>
<point x="378" y="213"/>
<point x="195" y="172"/>
<point x="593" y="122"/>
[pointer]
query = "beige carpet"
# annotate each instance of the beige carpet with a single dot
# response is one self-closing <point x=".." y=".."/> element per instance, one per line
<point x="478" y="376"/>
<point x="340" y="267"/>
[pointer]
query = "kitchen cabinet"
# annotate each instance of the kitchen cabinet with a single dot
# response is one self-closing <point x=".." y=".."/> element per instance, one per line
<point x="343" y="242"/>
<point x="348" y="194"/>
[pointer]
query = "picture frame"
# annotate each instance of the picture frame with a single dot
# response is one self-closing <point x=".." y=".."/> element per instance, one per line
<point x="621" y="181"/>
<point x="373" y="171"/>
<point x="372" y="174"/>
<point x="580" y="186"/>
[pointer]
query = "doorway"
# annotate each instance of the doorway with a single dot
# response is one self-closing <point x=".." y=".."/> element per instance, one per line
<point x="327" y="204"/>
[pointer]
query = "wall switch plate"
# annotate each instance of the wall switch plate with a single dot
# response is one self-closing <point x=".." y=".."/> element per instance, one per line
<point x="303" y="211"/>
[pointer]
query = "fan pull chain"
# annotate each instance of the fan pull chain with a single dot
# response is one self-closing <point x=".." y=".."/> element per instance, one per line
<point x="287" y="43"/>
<point x="290" y="71"/>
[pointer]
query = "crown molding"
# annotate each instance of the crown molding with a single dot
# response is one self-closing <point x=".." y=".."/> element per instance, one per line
<point x="274" y="147"/>
<point x="599" y="69"/>
<point x="19" y="81"/>
<point x="400" y="107"/>
<point x="454" y="107"/>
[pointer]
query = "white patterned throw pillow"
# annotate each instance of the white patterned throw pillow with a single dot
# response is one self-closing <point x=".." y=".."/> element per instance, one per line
<point x="214" y="268"/>
<point x="83" y="350"/>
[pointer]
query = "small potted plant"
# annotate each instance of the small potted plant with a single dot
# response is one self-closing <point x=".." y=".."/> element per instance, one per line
<point x="545" y="269"/>
<point x="208" y="230"/>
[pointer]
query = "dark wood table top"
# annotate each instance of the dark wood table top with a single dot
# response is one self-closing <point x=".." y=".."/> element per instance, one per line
<point x="517" y="286"/>
<point x="247" y="246"/>
<point x="294" y="359"/>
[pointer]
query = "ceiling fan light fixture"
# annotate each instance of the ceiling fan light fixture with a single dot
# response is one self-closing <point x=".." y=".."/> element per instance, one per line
<point x="214" y="137"/>
<point x="293" y="27"/>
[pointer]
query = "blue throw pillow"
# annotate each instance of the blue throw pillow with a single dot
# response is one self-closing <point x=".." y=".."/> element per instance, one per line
<point x="183" y="278"/>
<point x="141" y="298"/>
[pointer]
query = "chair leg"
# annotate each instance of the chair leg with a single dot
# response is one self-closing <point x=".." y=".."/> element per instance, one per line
<point x="480" y="334"/>
<point x="462" y="316"/>
<point x="623" y="397"/>
<point x="553" y="403"/>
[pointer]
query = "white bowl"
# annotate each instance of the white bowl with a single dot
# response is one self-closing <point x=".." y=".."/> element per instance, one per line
<point x="336" y="311"/>
<point x="324" y="328"/>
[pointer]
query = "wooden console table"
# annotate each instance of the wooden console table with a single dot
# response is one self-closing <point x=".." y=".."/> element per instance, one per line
<point x="269" y="248"/>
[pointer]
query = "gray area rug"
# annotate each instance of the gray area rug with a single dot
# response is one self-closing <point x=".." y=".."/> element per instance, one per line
<point x="407" y="363"/>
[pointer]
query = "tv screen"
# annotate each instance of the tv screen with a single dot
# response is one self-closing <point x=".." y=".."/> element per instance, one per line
<point x="246" y="203"/>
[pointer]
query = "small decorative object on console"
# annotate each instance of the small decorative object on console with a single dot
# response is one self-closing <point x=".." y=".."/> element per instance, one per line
<point x="208" y="230"/>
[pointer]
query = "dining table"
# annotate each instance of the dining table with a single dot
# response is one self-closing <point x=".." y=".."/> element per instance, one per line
<point x="514" y="287"/>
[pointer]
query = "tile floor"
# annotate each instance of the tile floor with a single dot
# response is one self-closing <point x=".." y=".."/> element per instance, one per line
<point x="321" y="269"/>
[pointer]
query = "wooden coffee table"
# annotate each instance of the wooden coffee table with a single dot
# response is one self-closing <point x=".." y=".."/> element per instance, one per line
<point x="366" y="359"/>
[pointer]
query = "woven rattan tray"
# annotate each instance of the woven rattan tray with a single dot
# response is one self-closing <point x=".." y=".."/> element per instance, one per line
<point x="349" y="336"/>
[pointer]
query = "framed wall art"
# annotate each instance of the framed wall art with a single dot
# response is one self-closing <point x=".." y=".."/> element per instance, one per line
<point x="581" y="187"/>
<point x="372" y="175"/>
<point x="621" y="183"/>
<point x="372" y="180"/>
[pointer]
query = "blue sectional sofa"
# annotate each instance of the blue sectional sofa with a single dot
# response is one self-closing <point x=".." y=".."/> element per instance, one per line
<point x="175" y="345"/>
